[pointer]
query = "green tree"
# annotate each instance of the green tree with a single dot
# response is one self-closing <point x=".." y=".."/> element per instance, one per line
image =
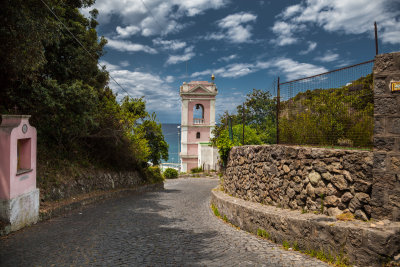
<point x="155" y="138"/>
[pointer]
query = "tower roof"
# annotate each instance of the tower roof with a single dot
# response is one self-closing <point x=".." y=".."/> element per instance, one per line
<point x="198" y="88"/>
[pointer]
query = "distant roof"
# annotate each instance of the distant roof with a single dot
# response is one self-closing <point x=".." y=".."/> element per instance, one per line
<point x="194" y="83"/>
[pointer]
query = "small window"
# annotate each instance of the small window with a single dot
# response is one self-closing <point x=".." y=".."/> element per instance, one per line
<point x="198" y="135"/>
<point x="23" y="155"/>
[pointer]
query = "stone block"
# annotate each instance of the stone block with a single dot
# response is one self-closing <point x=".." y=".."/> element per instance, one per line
<point x="387" y="63"/>
<point x="384" y="143"/>
<point x="339" y="181"/>
<point x="330" y="201"/>
<point x="380" y="87"/>
<point x="395" y="164"/>
<point x="379" y="161"/>
<point x="394" y="125"/>
<point x="379" y="125"/>
<point x="385" y="105"/>
<point x="346" y="197"/>
<point x="359" y="214"/>
<point x="363" y="198"/>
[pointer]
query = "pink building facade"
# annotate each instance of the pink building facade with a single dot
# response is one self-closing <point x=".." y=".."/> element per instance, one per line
<point x="197" y="120"/>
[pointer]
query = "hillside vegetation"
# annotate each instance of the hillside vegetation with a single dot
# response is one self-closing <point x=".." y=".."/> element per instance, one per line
<point x="46" y="73"/>
<point x="338" y="116"/>
<point x="321" y="117"/>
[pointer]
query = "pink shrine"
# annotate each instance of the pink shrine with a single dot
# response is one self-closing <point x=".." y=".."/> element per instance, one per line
<point x="197" y="122"/>
<point x="19" y="197"/>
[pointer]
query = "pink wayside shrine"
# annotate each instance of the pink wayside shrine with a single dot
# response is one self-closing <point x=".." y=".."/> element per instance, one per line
<point x="197" y="122"/>
<point x="19" y="197"/>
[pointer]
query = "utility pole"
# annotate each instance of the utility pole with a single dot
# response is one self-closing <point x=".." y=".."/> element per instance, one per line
<point x="376" y="38"/>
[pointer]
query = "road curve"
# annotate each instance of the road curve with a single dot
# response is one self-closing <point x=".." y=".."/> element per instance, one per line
<point x="174" y="227"/>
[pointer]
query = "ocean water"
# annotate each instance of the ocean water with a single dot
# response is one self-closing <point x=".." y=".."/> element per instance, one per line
<point x="172" y="137"/>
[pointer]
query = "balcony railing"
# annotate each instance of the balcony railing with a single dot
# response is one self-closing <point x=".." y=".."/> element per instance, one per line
<point x="198" y="121"/>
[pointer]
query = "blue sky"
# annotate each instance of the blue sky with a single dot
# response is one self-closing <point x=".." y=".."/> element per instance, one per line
<point x="156" y="45"/>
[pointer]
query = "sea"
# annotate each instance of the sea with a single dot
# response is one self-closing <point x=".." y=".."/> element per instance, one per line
<point x="172" y="137"/>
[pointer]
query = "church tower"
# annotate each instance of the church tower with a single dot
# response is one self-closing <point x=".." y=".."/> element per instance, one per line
<point x="197" y="122"/>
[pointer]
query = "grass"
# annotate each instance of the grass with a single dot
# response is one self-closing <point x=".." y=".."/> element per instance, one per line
<point x="263" y="233"/>
<point x="215" y="210"/>
<point x="285" y="244"/>
<point x="347" y="216"/>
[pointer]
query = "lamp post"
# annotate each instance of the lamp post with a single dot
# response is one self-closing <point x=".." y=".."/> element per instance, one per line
<point x="179" y="139"/>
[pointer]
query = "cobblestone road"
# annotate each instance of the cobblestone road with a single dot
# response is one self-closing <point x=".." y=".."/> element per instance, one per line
<point x="174" y="227"/>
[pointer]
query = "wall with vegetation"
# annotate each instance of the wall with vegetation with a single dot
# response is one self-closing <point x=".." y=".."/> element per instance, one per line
<point x="327" y="181"/>
<point x="85" y="180"/>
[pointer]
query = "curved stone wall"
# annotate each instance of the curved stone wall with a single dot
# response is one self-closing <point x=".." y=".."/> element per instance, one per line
<point x="330" y="181"/>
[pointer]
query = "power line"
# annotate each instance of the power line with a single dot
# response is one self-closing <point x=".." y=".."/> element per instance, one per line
<point x="84" y="48"/>
<point x="151" y="14"/>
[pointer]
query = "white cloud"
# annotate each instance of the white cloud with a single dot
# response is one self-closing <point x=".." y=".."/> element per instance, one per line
<point x="187" y="55"/>
<point x="124" y="63"/>
<point x="155" y="88"/>
<point x="169" y="44"/>
<point x="127" y="31"/>
<point x="152" y="17"/>
<point x="127" y="46"/>
<point x="234" y="28"/>
<point x="281" y="66"/>
<point x="285" y="32"/>
<point x="328" y="57"/>
<point x="169" y="79"/>
<point x="228" y="58"/>
<point x="349" y="17"/>
<point x="291" y="10"/>
<point x="311" y="47"/>
<point x="295" y="70"/>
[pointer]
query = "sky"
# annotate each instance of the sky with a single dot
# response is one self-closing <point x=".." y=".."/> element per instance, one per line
<point x="156" y="45"/>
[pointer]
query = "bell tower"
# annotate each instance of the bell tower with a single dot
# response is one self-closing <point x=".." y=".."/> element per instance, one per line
<point x="197" y="121"/>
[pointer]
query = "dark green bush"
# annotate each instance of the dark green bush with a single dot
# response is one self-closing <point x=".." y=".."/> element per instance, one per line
<point x="170" y="173"/>
<point x="196" y="170"/>
<point x="154" y="175"/>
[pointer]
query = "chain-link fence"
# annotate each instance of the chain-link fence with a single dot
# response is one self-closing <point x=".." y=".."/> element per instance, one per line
<point x="329" y="109"/>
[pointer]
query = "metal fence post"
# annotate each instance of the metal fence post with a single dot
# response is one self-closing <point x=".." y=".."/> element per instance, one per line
<point x="278" y="106"/>
<point x="230" y="128"/>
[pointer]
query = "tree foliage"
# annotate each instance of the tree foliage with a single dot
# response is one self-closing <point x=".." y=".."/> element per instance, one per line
<point x="259" y="117"/>
<point x="45" y="72"/>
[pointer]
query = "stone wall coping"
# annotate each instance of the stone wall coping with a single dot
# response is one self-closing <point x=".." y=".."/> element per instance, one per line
<point x="363" y="242"/>
<point x="308" y="147"/>
<point x="388" y="226"/>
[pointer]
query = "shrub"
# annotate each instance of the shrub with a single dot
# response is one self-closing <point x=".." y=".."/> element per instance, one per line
<point x="196" y="170"/>
<point x="170" y="173"/>
<point x="154" y="175"/>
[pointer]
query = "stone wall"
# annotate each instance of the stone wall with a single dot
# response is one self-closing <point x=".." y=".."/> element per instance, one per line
<point x="87" y="181"/>
<point x="385" y="198"/>
<point x="330" y="181"/>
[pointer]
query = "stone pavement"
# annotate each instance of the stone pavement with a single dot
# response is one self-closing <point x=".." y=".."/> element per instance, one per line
<point x="174" y="227"/>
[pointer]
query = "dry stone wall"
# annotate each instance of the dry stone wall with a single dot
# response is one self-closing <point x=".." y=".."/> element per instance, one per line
<point x="88" y="181"/>
<point x="330" y="181"/>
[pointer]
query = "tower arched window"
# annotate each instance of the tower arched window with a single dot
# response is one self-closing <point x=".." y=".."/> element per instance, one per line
<point x="198" y="114"/>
